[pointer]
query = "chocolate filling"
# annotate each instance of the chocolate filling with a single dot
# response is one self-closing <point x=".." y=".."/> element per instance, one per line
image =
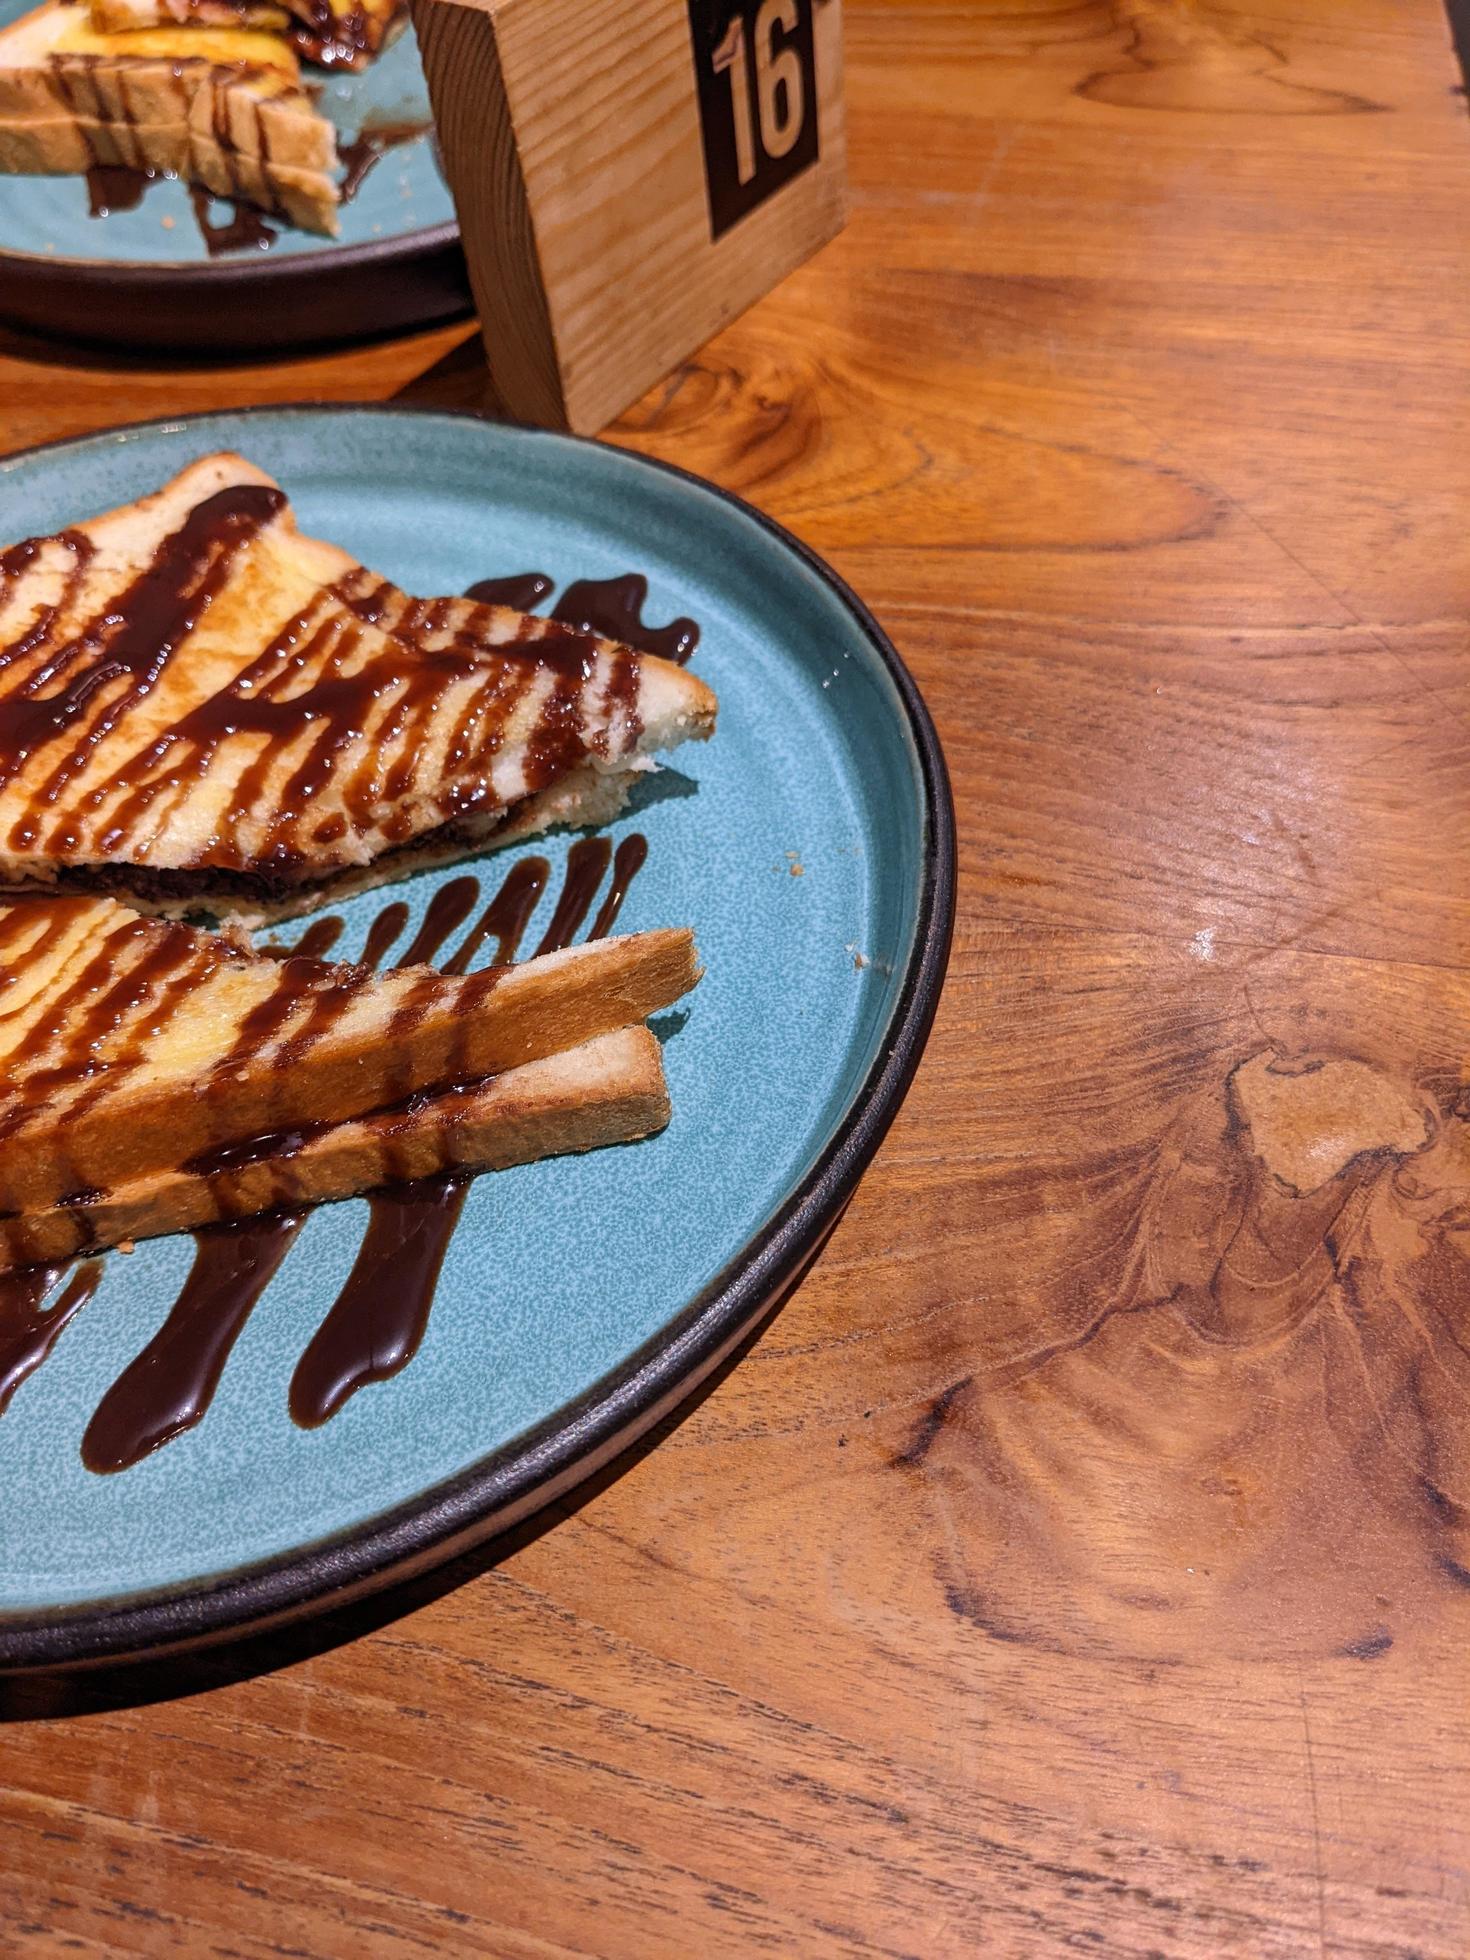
<point x="267" y="885"/>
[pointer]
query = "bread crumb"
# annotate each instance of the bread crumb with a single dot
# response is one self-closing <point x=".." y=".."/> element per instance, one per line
<point x="127" y="1245"/>
<point x="167" y="223"/>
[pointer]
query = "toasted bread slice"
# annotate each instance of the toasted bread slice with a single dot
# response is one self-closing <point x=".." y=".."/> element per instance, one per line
<point x="332" y="33"/>
<point x="128" y="16"/>
<point x="345" y="33"/>
<point x="605" y="1091"/>
<point x="222" y="107"/>
<point x="202" y="708"/>
<point x="132" y="1045"/>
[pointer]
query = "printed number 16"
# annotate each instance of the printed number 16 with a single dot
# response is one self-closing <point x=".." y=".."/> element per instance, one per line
<point x="777" y="84"/>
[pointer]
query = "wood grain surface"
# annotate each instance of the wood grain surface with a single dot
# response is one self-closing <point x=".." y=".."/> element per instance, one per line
<point x="1082" y="1558"/>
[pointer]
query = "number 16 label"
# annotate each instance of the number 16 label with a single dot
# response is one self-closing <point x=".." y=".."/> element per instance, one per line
<point x="757" y="99"/>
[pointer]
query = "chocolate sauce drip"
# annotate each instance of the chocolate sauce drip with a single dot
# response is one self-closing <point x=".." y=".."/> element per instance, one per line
<point x="521" y="591"/>
<point x="613" y="607"/>
<point x="632" y="855"/>
<point x="383" y="931"/>
<point x="316" y="942"/>
<point x="116" y="187"/>
<point x="168" y="1387"/>
<point x="29" y="1329"/>
<point x="364" y="151"/>
<point x="506" y="917"/>
<point x="587" y="863"/>
<point x="243" y="230"/>
<point x="273" y="1147"/>
<point x="448" y="909"/>
<point x="17" y="560"/>
<point x="377" y="1322"/>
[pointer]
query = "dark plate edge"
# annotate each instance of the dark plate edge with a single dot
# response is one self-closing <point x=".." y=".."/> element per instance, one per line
<point x="224" y="272"/>
<point x="258" y="305"/>
<point x="507" y="1486"/>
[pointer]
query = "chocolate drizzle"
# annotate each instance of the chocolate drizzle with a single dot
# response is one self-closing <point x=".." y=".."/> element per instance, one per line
<point x="29" y="1328"/>
<point x="362" y="153"/>
<point x="168" y="1387"/>
<point x="383" y="931"/>
<point x="315" y="943"/>
<point x="245" y="229"/>
<point x="631" y="856"/>
<point x="448" y="909"/>
<point x="131" y="642"/>
<point x="613" y="607"/>
<point x="378" y="1319"/>
<point x="587" y="863"/>
<point x="505" y="917"/>
<point x="116" y="187"/>
<point x="521" y="591"/>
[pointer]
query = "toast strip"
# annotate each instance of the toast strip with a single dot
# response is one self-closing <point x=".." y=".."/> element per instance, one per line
<point x="605" y="1091"/>
<point x="130" y="1045"/>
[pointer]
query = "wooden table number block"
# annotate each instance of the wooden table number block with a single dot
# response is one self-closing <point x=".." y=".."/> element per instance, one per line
<point x="629" y="175"/>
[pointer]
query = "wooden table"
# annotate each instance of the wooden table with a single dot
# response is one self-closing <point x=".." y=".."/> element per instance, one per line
<point x="1082" y="1559"/>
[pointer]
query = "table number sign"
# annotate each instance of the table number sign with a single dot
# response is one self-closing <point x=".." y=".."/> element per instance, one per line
<point x="628" y="177"/>
<point x="758" y="109"/>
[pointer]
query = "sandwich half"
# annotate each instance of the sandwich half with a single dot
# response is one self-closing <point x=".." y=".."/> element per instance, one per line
<point x="604" y="1091"/>
<point x="201" y="708"/>
<point x="223" y="107"/>
<point x="135" y="1048"/>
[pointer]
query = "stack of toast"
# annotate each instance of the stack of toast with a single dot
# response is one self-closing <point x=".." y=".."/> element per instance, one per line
<point x="207" y="90"/>
<point x="203" y="711"/>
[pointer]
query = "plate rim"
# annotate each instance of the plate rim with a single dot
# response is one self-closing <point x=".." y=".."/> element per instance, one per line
<point x="519" y="1478"/>
<point x="245" y="270"/>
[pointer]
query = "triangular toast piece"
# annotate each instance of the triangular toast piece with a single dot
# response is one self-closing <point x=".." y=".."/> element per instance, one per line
<point x="605" y="1091"/>
<point x="133" y="1045"/>
<point x="202" y="707"/>
<point x="222" y="107"/>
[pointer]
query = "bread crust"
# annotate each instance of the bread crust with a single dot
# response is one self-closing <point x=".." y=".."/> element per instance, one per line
<point x="610" y="1090"/>
<point x="132" y="1046"/>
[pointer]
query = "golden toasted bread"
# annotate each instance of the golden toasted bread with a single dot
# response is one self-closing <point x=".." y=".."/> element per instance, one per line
<point x="222" y="107"/>
<point x="131" y="1046"/>
<point x="605" y="1091"/>
<point x="202" y="707"/>
<point x="128" y="16"/>
<point x="329" y="32"/>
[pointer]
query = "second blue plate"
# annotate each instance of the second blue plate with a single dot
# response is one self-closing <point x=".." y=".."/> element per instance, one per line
<point x="145" y="277"/>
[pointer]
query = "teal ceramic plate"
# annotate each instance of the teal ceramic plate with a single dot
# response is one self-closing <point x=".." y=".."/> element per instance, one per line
<point x="810" y="846"/>
<point x="145" y="277"/>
